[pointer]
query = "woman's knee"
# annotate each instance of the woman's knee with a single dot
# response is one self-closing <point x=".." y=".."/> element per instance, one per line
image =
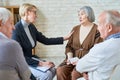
<point x="53" y="71"/>
<point x="75" y="75"/>
<point x="59" y="70"/>
<point x="48" y="75"/>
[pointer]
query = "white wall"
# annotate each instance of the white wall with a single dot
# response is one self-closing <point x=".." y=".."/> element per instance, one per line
<point x="57" y="18"/>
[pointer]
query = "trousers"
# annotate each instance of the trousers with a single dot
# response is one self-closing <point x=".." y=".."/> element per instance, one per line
<point x="48" y="75"/>
<point x="67" y="72"/>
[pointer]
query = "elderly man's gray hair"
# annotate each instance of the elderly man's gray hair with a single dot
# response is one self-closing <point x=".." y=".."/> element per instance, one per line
<point x="4" y="14"/>
<point x="113" y="17"/>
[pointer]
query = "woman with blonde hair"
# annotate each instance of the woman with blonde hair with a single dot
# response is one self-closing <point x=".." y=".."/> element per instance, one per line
<point x="27" y="35"/>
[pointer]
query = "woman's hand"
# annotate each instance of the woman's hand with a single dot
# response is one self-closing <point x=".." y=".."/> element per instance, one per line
<point x="68" y="62"/>
<point x="74" y="63"/>
<point x="47" y="64"/>
<point x="85" y="75"/>
<point x="74" y="60"/>
<point x="68" y="36"/>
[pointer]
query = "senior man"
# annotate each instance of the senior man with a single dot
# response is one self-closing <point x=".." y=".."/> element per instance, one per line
<point x="101" y="60"/>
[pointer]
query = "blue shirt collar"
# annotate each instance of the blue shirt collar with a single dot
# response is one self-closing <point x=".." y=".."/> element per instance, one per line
<point x="117" y="35"/>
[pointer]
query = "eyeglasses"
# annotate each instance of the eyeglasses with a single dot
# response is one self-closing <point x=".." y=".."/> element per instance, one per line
<point x="35" y="12"/>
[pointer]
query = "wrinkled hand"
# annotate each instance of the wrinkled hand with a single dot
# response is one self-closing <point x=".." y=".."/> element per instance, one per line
<point x="74" y="63"/>
<point x="85" y="75"/>
<point x="68" y="36"/>
<point x="68" y="62"/>
<point x="47" y="64"/>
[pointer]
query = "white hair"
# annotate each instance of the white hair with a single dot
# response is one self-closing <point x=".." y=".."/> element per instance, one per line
<point x="89" y="12"/>
<point x="5" y="14"/>
<point x="113" y="17"/>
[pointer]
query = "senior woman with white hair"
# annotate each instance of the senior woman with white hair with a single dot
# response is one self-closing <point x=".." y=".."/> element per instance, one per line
<point x="12" y="62"/>
<point x="84" y="37"/>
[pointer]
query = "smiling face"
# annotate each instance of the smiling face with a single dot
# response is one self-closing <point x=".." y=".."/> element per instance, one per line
<point x="82" y="17"/>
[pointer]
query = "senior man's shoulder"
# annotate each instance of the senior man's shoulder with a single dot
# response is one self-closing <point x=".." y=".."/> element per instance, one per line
<point x="9" y="43"/>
